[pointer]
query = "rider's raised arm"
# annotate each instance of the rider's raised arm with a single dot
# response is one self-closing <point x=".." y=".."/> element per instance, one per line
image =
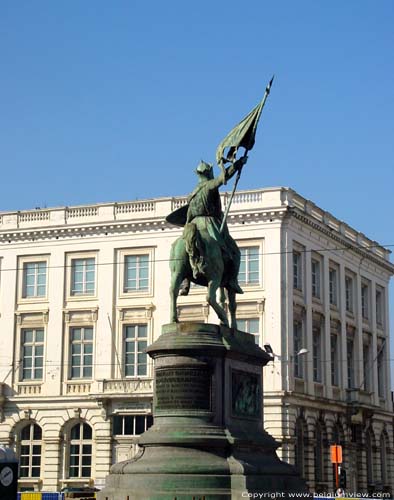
<point x="227" y="173"/>
<point x="234" y="167"/>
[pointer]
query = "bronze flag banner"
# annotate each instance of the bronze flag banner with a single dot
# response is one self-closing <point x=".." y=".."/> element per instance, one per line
<point x="243" y="135"/>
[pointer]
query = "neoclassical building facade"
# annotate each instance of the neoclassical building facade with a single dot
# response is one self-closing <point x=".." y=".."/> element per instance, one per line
<point x="84" y="290"/>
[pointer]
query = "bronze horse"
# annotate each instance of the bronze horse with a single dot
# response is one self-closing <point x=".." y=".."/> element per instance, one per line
<point x="216" y="273"/>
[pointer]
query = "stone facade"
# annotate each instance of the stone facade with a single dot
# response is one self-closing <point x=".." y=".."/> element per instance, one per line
<point x="84" y="289"/>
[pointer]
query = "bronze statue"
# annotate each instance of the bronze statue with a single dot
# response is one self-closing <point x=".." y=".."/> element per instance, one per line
<point x="206" y="254"/>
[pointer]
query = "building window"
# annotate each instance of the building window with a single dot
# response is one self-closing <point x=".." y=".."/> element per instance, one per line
<point x="319" y="454"/>
<point x="299" y="448"/>
<point x="249" y="270"/>
<point x="337" y="434"/>
<point x="83" y="276"/>
<point x="135" y="344"/>
<point x="316" y="273"/>
<point x="369" y="453"/>
<point x="297" y="341"/>
<point x="136" y="273"/>
<point x="297" y="270"/>
<point x="384" y="453"/>
<point x="349" y="294"/>
<point x="381" y="381"/>
<point x="130" y="425"/>
<point x="317" y="354"/>
<point x="379" y="307"/>
<point x="252" y="326"/>
<point x="80" y="451"/>
<point x="365" y="301"/>
<point x="29" y="451"/>
<point x="350" y="363"/>
<point x="366" y="367"/>
<point x="34" y="279"/>
<point x="334" y="360"/>
<point x="333" y="286"/>
<point x="81" y="339"/>
<point x="32" y="347"/>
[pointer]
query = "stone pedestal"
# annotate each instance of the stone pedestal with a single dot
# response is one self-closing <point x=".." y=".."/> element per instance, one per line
<point x="207" y="441"/>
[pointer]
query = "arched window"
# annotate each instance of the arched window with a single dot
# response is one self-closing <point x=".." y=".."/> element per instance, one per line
<point x="299" y="448"/>
<point x="319" y="454"/>
<point x="337" y="434"/>
<point x="80" y="451"/>
<point x="369" y="453"/>
<point x="383" y="458"/>
<point x="29" y="450"/>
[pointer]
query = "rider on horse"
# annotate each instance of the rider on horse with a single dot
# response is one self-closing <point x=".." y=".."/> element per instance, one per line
<point x="205" y="214"/>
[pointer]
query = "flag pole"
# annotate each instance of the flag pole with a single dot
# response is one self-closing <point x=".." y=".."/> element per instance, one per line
<point x="232" y="195"/>
<point x="267" y="91"/>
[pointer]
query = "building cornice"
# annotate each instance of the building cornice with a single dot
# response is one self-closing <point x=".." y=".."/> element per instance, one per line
<point x="130" y="226"/>
<point x="251" y="206"/>
<point x="345" y="243"/>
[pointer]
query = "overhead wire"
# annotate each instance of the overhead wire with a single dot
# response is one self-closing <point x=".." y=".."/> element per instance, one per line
<point x="155" y="260"/>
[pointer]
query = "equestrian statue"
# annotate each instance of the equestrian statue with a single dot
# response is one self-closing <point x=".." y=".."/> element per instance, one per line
<point x="206" y="254"/>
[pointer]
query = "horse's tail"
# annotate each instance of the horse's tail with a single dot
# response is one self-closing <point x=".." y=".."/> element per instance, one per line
<point x="194" y="248"/>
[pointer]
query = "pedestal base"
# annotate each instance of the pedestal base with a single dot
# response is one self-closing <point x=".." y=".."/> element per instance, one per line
<point x="207" y="441"/>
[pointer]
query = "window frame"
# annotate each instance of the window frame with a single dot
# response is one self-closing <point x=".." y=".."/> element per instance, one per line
<point x="351" y="373"/>
<point x="384" y="453"/>
<point x="83" y="342"/>
<point x="23" y="261"/>
<point x="349" y="293"/>
<point x="88" y="286"/>
<point x="365" y="300"/>
<point x="316" y="278"/>
<point x="148" y="418"/>
<point x="122" y="255"/>
<point x="299" y="446"/>
<point x="256" y="334"/>
<point x="33" y="344"/>
<point x="317" y="350"/>
<point x="141" y="264"/>
<point x="136" y="352"/>
<point x="370" y="458"/>
<point x="70" y="258"/>
<point x="298" y="269"/>
<point x="333" y="286"/>
<point x="319" y="452"/>
<point x="367" y="382"/>
<point x="298" y="361"/>
<point x="381" y="368"/>
<point x="247" y="245"/>
<point x="81" y="442"/>
<point x="31" y="443"/>
<point x="335" y="377"/>
<point x="379" y="306"/>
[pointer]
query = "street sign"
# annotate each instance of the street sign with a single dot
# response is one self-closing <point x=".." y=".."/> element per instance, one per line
<point x="336" y="454"/>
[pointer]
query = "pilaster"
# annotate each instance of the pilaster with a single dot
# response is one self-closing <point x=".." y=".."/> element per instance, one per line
<point x="343" y="343"/>
<point x="358" y="341"/>
<point x="308" y="323"/>
<point x="374" y="347"/>
<point x="327" y="327"/>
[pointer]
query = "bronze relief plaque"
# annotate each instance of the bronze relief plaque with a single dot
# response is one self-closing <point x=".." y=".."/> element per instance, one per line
<point x="245" y="394"/>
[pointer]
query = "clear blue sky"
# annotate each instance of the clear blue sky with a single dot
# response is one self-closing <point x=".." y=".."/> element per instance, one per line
<point x="111" y="101"/>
